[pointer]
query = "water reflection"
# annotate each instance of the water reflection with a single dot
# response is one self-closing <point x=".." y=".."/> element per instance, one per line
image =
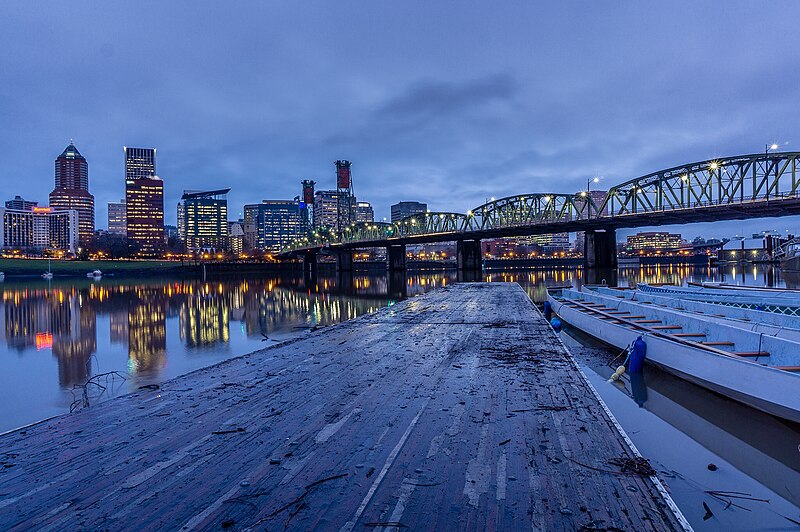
<point x="158" y="329"/>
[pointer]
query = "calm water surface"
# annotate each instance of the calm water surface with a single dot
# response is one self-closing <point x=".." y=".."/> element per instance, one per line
<point x="120" y="335"/>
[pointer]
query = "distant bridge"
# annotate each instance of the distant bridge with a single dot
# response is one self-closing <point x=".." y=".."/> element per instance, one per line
<point x="729" y="188"/>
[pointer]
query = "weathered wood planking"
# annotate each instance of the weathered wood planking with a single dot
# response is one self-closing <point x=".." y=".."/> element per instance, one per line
<point x="457" y="410"/>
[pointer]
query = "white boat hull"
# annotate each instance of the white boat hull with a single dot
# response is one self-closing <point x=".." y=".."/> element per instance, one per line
<point x="770" y="390"/>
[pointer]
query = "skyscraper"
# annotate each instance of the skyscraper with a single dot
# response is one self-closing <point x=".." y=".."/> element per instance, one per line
<point x="72" y="190"/>
<point x="144" y="201"/>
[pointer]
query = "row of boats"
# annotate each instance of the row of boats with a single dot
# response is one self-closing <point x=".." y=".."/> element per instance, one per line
<point x="743" y="343"/>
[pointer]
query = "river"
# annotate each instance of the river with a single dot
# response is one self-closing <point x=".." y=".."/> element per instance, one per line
<point x="76" y="342"/>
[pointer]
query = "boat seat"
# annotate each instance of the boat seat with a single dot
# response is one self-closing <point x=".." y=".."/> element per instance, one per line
<point x="666" y="327"/>
<point x="751" y="353"/>
<point x="689" y="335"/>
<point x="788" y="368"/>
<point x="647" y="321"/>
<point x="718" y="343"/>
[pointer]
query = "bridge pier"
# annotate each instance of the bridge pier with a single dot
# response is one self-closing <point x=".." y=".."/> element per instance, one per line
<point x="468" y="255"/>
<point x="396" y="258"/>
<point x="600" y="257"/>
<point x="344" y="261"/>
<point x="397" y="284"/>
<point x="310" y="262"/>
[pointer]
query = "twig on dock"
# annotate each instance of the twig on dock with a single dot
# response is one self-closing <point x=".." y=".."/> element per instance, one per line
<point x="83" y="401"/>
<point x="238" y="429"/>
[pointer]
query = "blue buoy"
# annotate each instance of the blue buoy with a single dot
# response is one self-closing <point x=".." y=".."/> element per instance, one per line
<point x="548" y="310"/>
<point x="555" y="323"/>
<point x="637" y="356"/>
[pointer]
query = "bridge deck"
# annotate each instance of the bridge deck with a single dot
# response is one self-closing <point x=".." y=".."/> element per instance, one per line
<point x="455" y="410"/>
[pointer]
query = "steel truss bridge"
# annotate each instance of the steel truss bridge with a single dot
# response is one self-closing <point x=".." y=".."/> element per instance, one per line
<point x="729" y="188"/>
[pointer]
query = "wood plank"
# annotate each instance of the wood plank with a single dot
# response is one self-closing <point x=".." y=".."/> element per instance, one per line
<point x="689" y="335"/>
<point x="751" y="353"/>
<point x="647" y="321"/>
<point x="460" y="409"/>
<point x="718" y="343"/>
<point x="666" y="327"/>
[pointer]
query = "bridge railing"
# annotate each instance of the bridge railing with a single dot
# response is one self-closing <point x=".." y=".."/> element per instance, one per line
<point x="729" y="180"/>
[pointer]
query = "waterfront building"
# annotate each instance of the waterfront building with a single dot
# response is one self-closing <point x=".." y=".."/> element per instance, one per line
<point x="236" y="236"/>
<point x="326" y="208"/>
<point x="71" y="190"/>
<point x="40" y="229"/>
<point x="205" y="219"/>
<point x="405" y="209"/>
<point x="144" y="201"/>
<point x="652" y="241"/>
<point x="117" y="219"/>
<point x="21" y="204"/>
<point x="364" y="212"/>
<point x="274" y="223"/>
<point x="548" y="243"/>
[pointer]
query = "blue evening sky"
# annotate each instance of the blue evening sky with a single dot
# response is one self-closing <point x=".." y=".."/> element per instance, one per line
<point x="444" y="102"/>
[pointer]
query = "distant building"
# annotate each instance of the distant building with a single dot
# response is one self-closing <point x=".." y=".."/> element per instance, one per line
<point x="21" y="204"/>
<point x="236" y="236"/>
<point x="40" y="229"/>
<point x="144" y="201"/>
<point x="652" y="241"/>
<point x="205" y="219"/>
<point x="117" y="219"/>
<point x="405" y="209"/>
<point x="364" y="212"/>
<point x="760" y="248"/>
<point x="170" y="231"/>
<point x="274" y="224"/>
<point x="548" y="243"/>
<point x="71" y="190"/>
<point x="326" y="208"/>
<point x="140" y="163"/>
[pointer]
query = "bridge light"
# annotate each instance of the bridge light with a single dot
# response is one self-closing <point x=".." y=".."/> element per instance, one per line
<point x="773" y="147"/>
<point x="685" y="177"/>
<point x="469" y="213"/>
<point x="714" y="165"/>
<point x="583" y="194"/>
<point x="547" y="199"/>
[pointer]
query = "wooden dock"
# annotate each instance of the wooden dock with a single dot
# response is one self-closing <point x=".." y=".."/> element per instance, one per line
<point x="456" y="410"/>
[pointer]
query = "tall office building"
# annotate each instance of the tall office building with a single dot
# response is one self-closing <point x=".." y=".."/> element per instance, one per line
<point x="407" y="208"/>
<point x="274" y="223"/>
<point x="71" y="190"/>
<point x="205" y="219"/>
<point x="117" y="218"/>
<point x="21" y="204"/>
<point x="327" y="205"/>
<point x="364" y="212"/>
<point x="144" y="201"/>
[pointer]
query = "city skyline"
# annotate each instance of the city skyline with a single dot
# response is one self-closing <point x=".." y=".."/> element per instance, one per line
<point x="444" y="119"/>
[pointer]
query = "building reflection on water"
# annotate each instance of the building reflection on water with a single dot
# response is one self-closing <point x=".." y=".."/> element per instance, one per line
<point x="62" y="317"/>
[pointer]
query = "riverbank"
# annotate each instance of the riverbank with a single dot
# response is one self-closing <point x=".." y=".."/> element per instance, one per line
<point x="79" y="268"/>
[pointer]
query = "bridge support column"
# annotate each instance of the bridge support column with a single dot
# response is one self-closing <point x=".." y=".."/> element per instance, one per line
<point x="344" y="261"/>
<point x="600" y="257"/>
<point x="468" y="255"/>
<point x="396" y="258"/>
<point x="600" y="249"/>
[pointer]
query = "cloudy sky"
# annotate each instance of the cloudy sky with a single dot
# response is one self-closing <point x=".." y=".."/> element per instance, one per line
<point x="446" y="102"/>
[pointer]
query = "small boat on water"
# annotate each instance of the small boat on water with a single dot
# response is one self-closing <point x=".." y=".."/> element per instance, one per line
<point x="789" y="255"/>
<point x="48" y="274"/>
<point x="96" y="274"/>
<point x="754" y="363"/>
